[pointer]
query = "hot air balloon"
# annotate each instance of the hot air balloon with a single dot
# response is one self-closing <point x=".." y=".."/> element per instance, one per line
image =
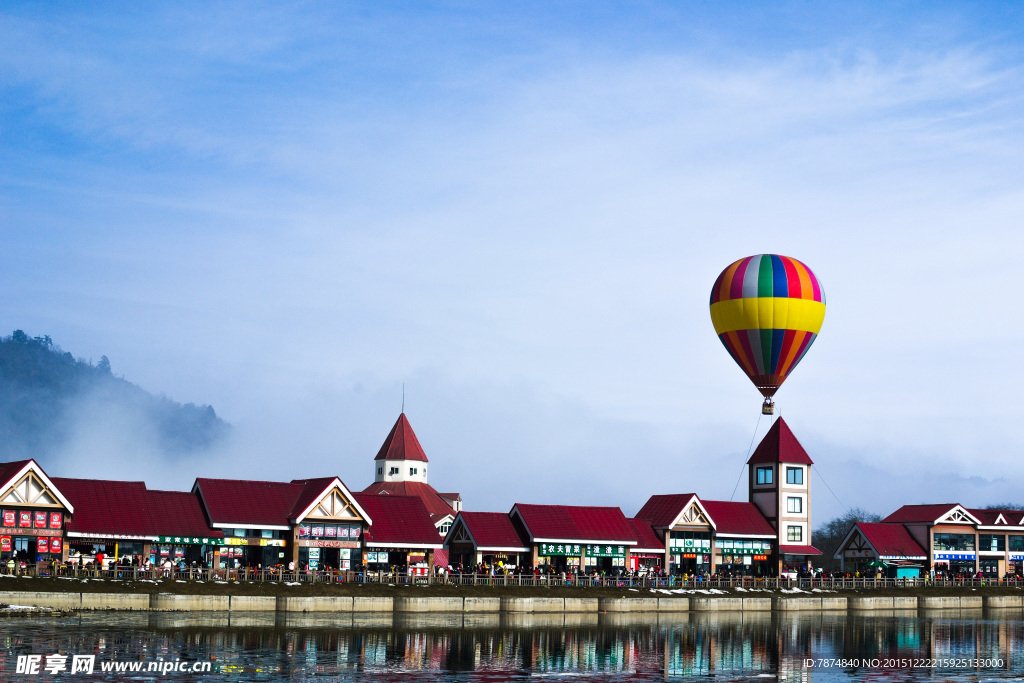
<point x="767" y="310"/>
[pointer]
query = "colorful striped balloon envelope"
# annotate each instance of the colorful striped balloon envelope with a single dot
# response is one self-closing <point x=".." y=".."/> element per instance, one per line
<point x="767" y="310"/>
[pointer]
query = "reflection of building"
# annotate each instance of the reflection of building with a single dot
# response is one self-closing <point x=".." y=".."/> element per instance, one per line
<point x="400" y="469"/>
<point x="946" y="537"/>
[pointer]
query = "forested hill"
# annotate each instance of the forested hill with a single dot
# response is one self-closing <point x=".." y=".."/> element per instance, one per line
<point x="48" y="397"/>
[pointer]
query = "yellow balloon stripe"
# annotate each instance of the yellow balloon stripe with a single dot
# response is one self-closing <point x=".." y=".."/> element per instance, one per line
<point x="767" y="313"/>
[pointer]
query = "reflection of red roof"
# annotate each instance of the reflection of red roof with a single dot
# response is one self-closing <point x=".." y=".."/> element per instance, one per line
<point x="256" y="503"/>
<point x="178" y="513"/>
<point x="737" y="518"/>
<point x="646" y="539"/>
<point x="575" y="523"/>
<point x="493" y="531"/>
<point x="398" y="521"/>
<point x="662" y="510"/>
<point x="432" y="500"/>
<point x="106" y="507"/>
<point x="890" y="540"/>
<point x="401" y="443"/>
<point x="909" y="514"/>
<point x="799" y="549"/>
<point x="780" y="445"/>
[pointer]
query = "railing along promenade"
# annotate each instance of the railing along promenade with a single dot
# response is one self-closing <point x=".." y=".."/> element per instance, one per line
<point x="276" y="575"/>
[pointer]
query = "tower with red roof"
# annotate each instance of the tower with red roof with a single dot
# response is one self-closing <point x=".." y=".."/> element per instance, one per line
<point x="780" y="486"/>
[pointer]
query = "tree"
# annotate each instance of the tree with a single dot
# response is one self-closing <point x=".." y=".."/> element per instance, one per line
<point x="104" y="365"/>
<point x="19" y="337"/>
<point x="829" y="535"/>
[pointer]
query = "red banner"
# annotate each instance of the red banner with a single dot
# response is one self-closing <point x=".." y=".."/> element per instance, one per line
<point x="10" y="517"/>
<point x="55" y="520"/>
<point x="5" y="544"/>
<point x="40" y="520"/>
<point x="25" y="518"/>
<point x="43" y="545"/>
<point x="55" y="545"/>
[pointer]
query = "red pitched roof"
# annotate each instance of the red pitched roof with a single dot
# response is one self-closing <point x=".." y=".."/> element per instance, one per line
<point x="662" y="510"/>
<point x="437" y="506"/>
<point x="8" y="470"/>
<point x="398" y="521"/>
<point x="107" y="507"/>
<point x="575" y="523"/>
<point x="891" y="540"/>
<point x="250" y="503"/>
<point x="401" y="443"/>
<point x="988" y="516"/>
<point x="737" y="518"/>
<point x="780" y="445"/>
<point x="493" y="530"/>
<point x="646" y="539"/>
<point x="909" y="514"/>
<point x="178" y="513"/>
<point x="799" y="550"/>
<point x="312" y="490"/>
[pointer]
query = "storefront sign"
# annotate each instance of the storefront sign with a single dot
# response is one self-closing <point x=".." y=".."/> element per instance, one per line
<point x="330" y="531"/>
<point x="954" y="556"/>
<point x="273" y="542"/>
<point x="376" y="558"/>
<point x="560" y="549"/>
<point x="41" y="520"/>
<point x="100" y="538"/>
<point x="323" y="543"/>
<point x="743" y="546"/>
<point x="5" y="544"/>
<point x="16" y="531"/>
<point x="606" y="551"/>
<point x="25" y="519"/>
<point x="191" y="540"/>
<point x="689" y="543"/>
<point x="56" y="545"/>
<point x="1016" y="557"/>
<point x="55" y="520"/>
<point x="760" y="557"/>
<point x="43" y="545"/>
<point x="314" y="558"/>
<point x="10" y="518"/>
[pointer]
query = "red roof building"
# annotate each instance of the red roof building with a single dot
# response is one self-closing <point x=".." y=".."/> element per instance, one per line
<point x="738" y="519"/>
<point x="490" y="538"/>
<point x="780" y="445"/>
<point x="871" y="541"/>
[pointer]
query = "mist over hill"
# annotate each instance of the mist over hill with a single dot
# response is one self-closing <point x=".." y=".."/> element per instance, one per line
<point x="51" y="403"/>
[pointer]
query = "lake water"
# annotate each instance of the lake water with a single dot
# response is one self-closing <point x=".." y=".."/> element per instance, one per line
<point x="893" y="646"/>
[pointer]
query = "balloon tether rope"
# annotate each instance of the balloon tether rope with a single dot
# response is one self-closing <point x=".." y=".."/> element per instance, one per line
<point x="749" y="449"/>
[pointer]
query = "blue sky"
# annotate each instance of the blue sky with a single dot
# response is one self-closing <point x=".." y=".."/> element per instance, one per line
<point x="290" y="210"/>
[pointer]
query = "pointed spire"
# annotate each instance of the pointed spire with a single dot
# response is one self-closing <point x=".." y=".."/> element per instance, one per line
<point x="780" y="445"/>
<point x="401" y="443"/>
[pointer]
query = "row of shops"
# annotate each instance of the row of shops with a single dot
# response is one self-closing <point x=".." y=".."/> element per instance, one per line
<point x="945" y="540"/>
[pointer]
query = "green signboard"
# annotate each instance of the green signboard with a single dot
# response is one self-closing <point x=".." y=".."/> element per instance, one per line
<point x="606" y="551"/>
<point x="561" y="549"/>
<point x="190" y="540"/>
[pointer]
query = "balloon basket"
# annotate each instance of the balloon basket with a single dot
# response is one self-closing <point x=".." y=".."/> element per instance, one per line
<point x="768" y="407"/>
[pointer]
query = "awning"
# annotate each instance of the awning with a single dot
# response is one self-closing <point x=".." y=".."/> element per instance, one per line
<point x="799" y="550"/>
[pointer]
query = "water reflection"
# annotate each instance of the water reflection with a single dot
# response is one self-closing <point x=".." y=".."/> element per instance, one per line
<point x="439" y="646"/>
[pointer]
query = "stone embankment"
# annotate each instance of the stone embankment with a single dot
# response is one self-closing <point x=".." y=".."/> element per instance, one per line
<point x="165" y="602"/>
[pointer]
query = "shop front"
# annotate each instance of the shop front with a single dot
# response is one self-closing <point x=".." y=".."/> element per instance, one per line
<point x="485" y="539"/>
<point x="195" y="551"/>
<point x="689" y="552"/>
<point x="257" y="548"/>
<point x="330" y="546"/>
<point x="32" y="535"/>
<point x="742" y="556"/>
<point x="955" y="564"/>
<point x="553" y="557"/>
<point x="83" y="548"/>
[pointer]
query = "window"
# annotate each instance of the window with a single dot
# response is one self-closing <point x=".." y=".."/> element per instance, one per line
<point x="764" y="475"/>
<point x="1016" y="542"/>
<point x="445" y="528"/>
<point x="412" y="471"/>
<point x="266" y="533"/>
<point x="794" y="475"/>
<point x="239" y="533"/>
<point x="953" y="542"/>
<point x="794" y="533"/>
<point x="380" y="470"/>
<point x="794" y="504"/>
<point x="394" y="470"/>
<point x="992" y="542"/>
